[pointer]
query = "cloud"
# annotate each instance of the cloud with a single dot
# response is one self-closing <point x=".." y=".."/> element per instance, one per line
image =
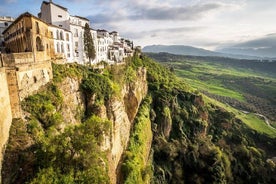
<point x="166" y="32"/>
<point x="174" y="13"/>
<point x="268" y="41"/>
<point x="118" y="11"/>
<point x="263" y="47"/>
<point x="10" y="1"/>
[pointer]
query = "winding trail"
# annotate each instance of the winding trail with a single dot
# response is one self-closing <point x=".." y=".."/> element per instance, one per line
<point x="266" y="120"/>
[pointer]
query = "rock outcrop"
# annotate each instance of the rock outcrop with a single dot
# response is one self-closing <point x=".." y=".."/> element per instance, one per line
<point x="122" y="111"/>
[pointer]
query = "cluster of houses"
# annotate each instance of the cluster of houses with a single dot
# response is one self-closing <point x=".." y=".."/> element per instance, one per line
<point x="59" y="35"/>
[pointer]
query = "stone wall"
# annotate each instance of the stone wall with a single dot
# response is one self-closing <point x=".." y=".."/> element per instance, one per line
<point x="5" y="113"/>
<point x="31" y="77"/>
<point x="26" y="73"/>
<point x="17" y="59"/>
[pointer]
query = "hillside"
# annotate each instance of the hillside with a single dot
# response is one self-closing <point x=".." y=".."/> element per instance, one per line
<point x="193" y="51"/>
<point x="136" y="123"/>
<point x="247" y="85"/>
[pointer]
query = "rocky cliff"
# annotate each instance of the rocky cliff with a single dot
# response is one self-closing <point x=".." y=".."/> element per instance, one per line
<point x="64" y="103"/>
<point x="5" y="113"/>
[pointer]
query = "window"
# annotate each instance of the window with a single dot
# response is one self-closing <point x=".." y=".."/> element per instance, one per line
<point x="61" y="35"/>
<point x="67" y="36"/>
<point x="37" y="27"/>
<point x="60" y="25"/>
<point x="76" y="45"/>
<point x="62" y="48"/>
<point x="68" y="48"/>
<point x="76" y="33"/>
<point x="60" y="16"/>
<point x="57" y="35"/>
<point x="58" y="49"/>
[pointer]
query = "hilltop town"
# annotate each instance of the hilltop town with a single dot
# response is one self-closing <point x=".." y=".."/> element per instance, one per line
<point x="60" y="36"/>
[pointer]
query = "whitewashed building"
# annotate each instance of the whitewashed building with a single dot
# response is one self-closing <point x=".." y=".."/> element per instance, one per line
<point x="57" y="15"/>
<point x="5" y="22"/>
<point x="109" y="47"/>
<point x="77" y="25"/>
<point x="95" y="41"/>
<point x="62" y="43"/>
<point x="54" y="14"/>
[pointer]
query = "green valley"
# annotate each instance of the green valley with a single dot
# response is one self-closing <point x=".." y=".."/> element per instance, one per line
<point x="248" y="87"/>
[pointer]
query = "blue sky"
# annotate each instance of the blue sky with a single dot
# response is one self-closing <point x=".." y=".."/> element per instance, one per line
<point x="209" y="24"/>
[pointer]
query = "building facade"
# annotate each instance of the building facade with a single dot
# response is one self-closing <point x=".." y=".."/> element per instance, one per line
<point x="62" y="40"/>
<point x="28" y="34"/>
<point x="61" y="36"/>
<point x="54" y="14"/>
<point x="4" y="23"/>
<point x="77" y="25"/>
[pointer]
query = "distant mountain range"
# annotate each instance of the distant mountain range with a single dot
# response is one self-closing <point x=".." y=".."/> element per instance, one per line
<point x="261" y="47"/>
<point x="193" y="51"/>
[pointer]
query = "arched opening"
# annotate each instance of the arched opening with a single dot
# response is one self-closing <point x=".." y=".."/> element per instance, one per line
<point x="35" y="79"/>
<point x="58" y="48"/>
<point x="57" y="35"/>
<point x="61" y="35"/>
<point x="39" y="45"/>
<point x="62" y="48"/>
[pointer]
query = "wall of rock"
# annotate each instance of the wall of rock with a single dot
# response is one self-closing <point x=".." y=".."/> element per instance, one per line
<point x="5" y="113"/>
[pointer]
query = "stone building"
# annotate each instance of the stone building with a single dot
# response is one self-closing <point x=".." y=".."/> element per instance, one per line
<point x="29" y="34"/>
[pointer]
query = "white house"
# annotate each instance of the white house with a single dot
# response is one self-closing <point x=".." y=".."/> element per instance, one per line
<point x="104" y="41"/>
<point x="77" y="25"/>
<point x="4" y="23"/>
<point x="54" y="14"/>
<point x="95" y="41"/>
<point x="108" y="46"/>
<point x="62" y="42"/>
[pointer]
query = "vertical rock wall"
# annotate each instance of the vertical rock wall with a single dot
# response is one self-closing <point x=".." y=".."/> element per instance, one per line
<point x="5" y="113"/>
<point x="122" y="112"/>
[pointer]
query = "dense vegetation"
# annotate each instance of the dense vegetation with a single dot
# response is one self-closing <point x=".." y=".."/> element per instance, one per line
<point x="195" y="141"/>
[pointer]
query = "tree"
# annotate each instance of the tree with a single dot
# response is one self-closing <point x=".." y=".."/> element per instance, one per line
<point x="88" y="43"/>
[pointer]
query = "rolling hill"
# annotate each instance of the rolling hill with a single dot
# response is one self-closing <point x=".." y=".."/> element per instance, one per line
<point x="193" y="51"/>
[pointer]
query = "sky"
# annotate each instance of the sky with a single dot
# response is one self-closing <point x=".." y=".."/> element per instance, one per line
<point x="209" y="24"/>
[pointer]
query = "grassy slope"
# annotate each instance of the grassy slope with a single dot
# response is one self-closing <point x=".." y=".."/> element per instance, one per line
<point x="228" y="81"/>
<point x="251" y="120"/>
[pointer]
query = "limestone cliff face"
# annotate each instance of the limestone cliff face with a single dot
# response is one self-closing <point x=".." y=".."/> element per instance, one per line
<point x="122" y="111"/>
<point x="73" y="100"/>
<point x="5" y="114"/>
